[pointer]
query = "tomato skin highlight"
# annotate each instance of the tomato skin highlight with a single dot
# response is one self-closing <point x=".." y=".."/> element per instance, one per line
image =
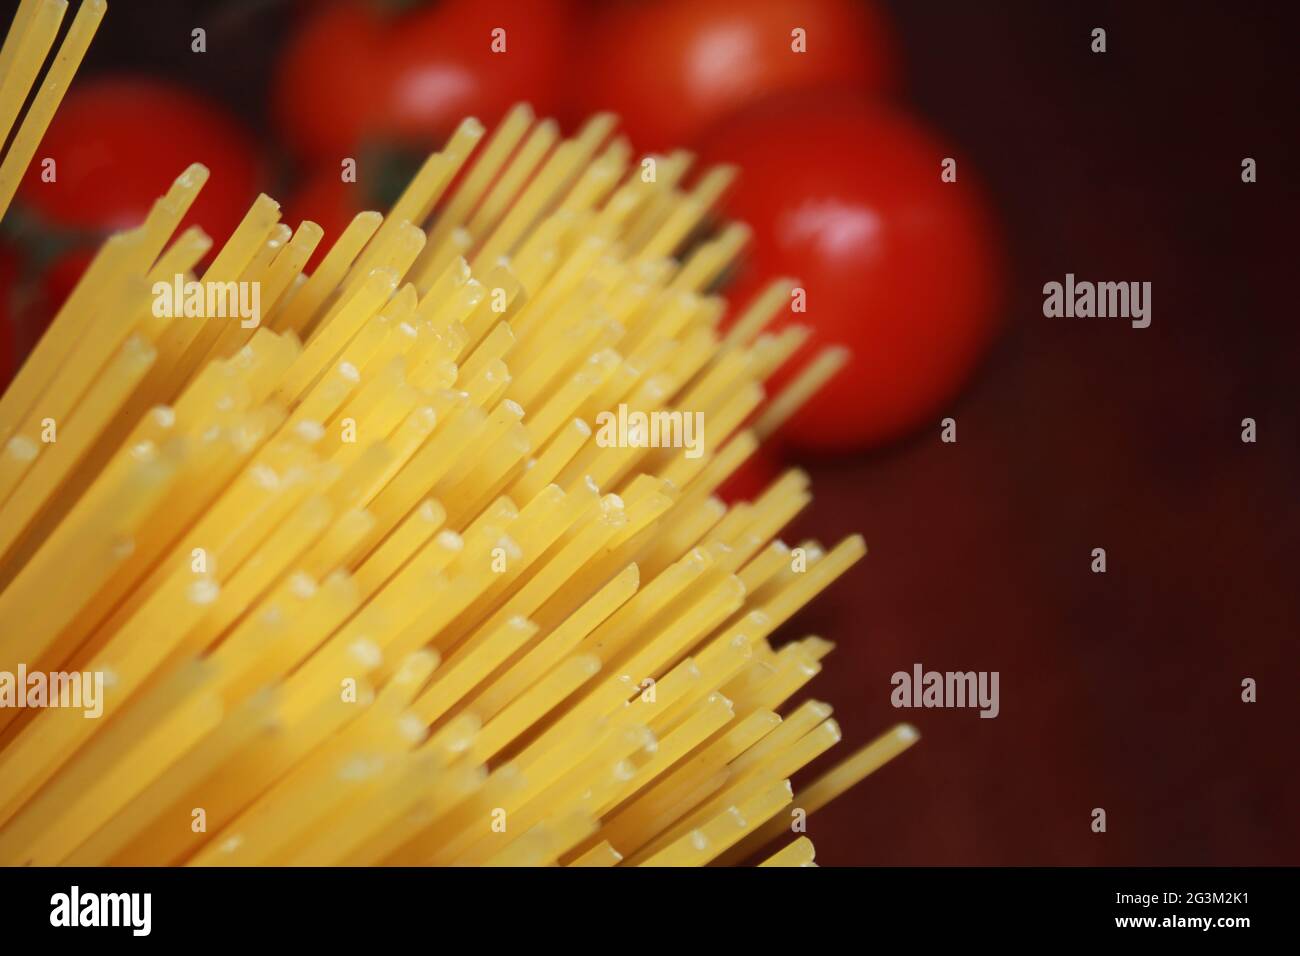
<point x="898" y="265"/>
<point x="671" y="69"/>
<point x="353" y="76"/>
<point x="119" y="142"/>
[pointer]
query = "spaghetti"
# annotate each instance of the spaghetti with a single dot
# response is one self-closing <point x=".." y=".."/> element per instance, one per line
<point x="364" y="586"/>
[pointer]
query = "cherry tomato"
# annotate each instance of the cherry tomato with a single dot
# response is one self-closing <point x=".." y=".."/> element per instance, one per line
<point x="57" y="281"/>
<point x="322" y="195"/>
<point x="753" y="476"/>
<point x="118" y="143"/>
<point x="673" y="68"/>
<point x="897" y="264"/>
<point x="353" y="75"/>
<point x="326" y="200"/>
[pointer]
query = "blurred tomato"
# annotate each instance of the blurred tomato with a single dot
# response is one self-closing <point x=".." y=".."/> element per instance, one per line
<point x="753" y="476"/>
<point x="57" y="281"/>
<point x="352" y="75"/>
<point x="898" y="265"/>
<point x="322" y="195"/>
<point x="326" y="200"/>
<point x="672" y="68"/>
<point x="120" y="142"/>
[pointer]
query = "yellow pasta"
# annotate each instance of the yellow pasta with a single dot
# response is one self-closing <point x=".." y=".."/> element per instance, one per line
<point x="376" y="578"/>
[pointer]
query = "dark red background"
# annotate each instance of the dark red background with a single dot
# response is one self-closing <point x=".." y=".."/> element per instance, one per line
<point x="1119" y="690"/>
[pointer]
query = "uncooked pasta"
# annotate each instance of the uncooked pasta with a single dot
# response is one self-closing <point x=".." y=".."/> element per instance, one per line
<point x="419" y="558"/>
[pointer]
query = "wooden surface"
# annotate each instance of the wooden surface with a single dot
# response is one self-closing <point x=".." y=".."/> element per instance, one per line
<point x="1119" y="690"/>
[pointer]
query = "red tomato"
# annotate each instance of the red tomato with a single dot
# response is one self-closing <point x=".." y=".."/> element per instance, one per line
<point x="753" y="476"/>
<point x="322" y="196"/>
<point x="352" y="75"/>
<point x="898" y="265"/>
<point x="58" y="280"/>
<point x="671" y="69"/>
<point x="119" y="143"/>
<point x="326" y="200"/>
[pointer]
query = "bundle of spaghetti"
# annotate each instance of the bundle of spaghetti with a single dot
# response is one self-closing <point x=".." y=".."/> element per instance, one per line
<point x="364" y="585"/>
